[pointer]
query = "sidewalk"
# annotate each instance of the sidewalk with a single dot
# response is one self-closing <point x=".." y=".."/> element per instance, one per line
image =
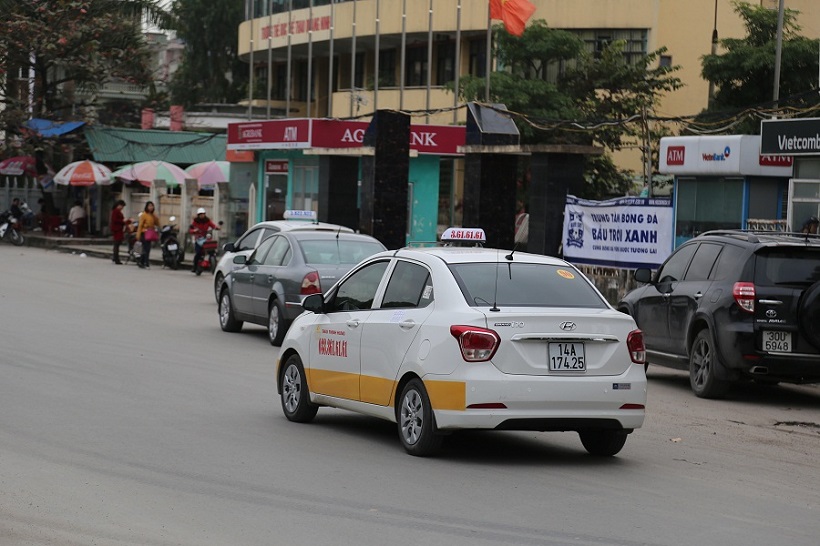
<point x="97" y="247"/>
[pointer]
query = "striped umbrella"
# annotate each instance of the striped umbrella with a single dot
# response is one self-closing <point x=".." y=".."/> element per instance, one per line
<point x="210" y="172"/>
<point x="146" y="172"/>
<point x="84" y="173"/>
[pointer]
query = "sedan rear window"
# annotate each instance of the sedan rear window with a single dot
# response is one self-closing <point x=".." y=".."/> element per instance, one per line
<point x="524" y="285"/>
<point x="334" y="251"/>
<point x="785" y="266"/>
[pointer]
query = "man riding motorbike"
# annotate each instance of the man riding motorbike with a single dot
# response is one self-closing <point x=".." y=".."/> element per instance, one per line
<point x="199" y="229"/>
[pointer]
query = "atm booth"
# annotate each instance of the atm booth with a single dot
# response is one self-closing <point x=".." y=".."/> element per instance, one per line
<point x="725" y="182"/>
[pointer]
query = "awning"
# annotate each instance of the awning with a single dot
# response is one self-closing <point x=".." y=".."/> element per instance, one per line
<point x="47" y="128"/>
<point x="116" y="145"/>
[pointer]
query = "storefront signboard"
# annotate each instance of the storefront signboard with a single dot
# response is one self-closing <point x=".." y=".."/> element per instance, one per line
<point x="627" y="232"/>
<point x="325" y="133"/>
<point x="726" y="155"/>
<point x="790" y="137"/>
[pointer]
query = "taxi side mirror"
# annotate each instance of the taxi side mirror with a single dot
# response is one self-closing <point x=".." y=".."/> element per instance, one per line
<point x="240" y="260"/>
<point x="315" y="303"/>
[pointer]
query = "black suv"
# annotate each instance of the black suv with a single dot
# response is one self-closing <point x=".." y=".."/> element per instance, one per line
<point x="732" y="305"/>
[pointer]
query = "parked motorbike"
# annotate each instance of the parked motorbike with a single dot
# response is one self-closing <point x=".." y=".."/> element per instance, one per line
<point x="172" y="252"/>
<point x="134" y="253"/>
<point x="10" y="229"/>
<point x="207" y="261"/>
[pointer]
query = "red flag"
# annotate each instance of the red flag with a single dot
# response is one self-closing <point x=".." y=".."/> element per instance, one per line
<point x="514" y="14"/>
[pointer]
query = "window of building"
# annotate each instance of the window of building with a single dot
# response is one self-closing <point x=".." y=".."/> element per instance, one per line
<point x="305" y="187"/>
<point x="359" y="77"/>
<point x="445" y="62"/>
<point x="387" y="68"/>
<point x="416" y="66"/>
<point x="635" y="40"/>
<point x="706" y="204"/>
<point x="478" y="57"/>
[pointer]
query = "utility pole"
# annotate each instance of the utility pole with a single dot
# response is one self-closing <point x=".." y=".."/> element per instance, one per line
<point x="647" y="148"/>
<point x="778" y="53"/>
<point x="714" y="51"/>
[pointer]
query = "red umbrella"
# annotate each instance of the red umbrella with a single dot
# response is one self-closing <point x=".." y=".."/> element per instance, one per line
<point x="19" y="165"/>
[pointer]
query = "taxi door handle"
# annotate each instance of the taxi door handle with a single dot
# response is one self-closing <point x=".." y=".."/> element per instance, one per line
<point x="407" y="324"/>
<point x="250" y="277"/>
<point x="698" y="295"/>
<point x="353" y="323"/>
<point x="270" y="279"/>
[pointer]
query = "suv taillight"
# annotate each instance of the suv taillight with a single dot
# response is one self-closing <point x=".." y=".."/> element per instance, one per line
<point x="310" y="284"/>
<point x="637" y="350"/>
<point x="476" y="344"/>
<point x="744" y="293"/>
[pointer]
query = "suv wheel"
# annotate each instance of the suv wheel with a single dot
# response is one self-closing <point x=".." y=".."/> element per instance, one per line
<point x="703" y="359"/>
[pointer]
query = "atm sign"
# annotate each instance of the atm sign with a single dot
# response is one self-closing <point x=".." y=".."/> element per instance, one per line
<point x="675" y="155"/>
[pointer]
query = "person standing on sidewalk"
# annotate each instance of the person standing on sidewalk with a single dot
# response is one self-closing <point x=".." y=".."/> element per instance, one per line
<point x="117" y="226"/>
<point x="147" y="232"/>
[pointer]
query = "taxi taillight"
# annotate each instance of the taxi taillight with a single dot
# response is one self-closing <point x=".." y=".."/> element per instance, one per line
<point x="744" y="293"/>
<point x="637" y="350"/>
<point x="476" y="344"/>
<point x="310" y="284"/>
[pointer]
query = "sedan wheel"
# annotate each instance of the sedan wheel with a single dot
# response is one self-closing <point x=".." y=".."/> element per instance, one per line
<point x="217" y="285"/>
<point x="417" y="427"/>
<point x="227" y="320"/>
<point x="295" y="396"/>
<point x="702" y="363"/>
<point x="277" y="326"/>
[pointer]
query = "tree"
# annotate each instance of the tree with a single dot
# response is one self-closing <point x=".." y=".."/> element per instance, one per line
<point x="744" y="72"/>
<point x="211" y="71"/>
<point x="70" y="45"/>
<point x="564" y="94"/>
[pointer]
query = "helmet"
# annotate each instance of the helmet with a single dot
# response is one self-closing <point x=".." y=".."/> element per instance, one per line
<point x="200" y="210"/>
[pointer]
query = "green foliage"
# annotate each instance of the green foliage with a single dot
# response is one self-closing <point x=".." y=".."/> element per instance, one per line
<point x="211" y="71"/>
<point x="744" y="72"/>
<point x="557" y="89"/>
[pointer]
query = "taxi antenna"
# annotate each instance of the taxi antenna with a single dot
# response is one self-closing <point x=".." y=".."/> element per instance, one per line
<point x="495" y="308"/>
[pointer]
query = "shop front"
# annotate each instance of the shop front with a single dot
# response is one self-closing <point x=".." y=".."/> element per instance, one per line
<point x="292" y="155"/>
<point x="725" y="182"/>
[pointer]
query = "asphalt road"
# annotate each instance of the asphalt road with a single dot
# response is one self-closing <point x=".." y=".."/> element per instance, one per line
<point x="127" y="417"/>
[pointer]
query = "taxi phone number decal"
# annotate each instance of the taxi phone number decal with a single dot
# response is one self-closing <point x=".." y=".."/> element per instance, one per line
<point x="333" y="347"/>
<point x="566" y="274"/>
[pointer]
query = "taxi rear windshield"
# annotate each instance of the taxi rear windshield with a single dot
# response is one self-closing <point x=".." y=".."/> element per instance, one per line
<point x="787" y="266"/>
<point x="524" y="285"/>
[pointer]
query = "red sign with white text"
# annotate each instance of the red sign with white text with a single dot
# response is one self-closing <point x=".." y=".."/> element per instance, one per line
<point x="676" y="155"/>
<point x="775" y="160"/>
<point x="327" y="133"/>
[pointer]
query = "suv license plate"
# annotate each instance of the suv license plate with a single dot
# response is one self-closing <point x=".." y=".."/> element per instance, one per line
<point x="777" y="342"/>
<point x="567" y="357"/>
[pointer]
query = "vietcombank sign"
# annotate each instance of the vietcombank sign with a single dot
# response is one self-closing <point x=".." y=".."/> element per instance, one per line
<point x="790" y="137"/>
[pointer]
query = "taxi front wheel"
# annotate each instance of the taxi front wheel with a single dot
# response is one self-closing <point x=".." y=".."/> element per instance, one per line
<point x="416" y="422"/>
<point x="296" y="402"/>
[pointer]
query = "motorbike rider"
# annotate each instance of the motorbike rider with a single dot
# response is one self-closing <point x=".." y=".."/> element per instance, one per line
<point x="199" y="229"/>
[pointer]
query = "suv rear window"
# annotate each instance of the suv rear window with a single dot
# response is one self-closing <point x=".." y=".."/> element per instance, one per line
<point x="785" y="266"/>
<point x="524" y="285"/>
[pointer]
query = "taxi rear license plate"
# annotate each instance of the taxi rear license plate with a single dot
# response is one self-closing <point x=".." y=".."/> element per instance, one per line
<point x="777" y="342"/>
<point x="567" y="357"/>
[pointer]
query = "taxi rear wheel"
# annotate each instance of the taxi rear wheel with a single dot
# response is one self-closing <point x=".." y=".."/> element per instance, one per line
<point x="603" y="443"/>
<point x="416" y="422"/>
<point x="295" y="395"/>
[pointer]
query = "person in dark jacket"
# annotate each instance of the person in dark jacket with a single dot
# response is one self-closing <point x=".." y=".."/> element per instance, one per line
<point x="117" y="225"/>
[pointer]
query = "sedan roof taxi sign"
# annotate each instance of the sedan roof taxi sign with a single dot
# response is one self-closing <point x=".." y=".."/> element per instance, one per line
<point x="474" y="236"/>
<point x="300" y="215"/>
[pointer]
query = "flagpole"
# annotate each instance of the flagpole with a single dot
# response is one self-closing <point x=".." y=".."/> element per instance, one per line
<point x="403" y="50"/>
<point x="250" y="63"/>
<point x="488" y="66"/>
<point x="376" y="62"/>
<point x="270" y="57"/>
<point x="458" y="62"/>
<point x="353" y="61"/>
<point x="330" y="61"/>
<point x="287" y="79"/>
<point x="310" y="61"/>
<point x="429" y="57"/>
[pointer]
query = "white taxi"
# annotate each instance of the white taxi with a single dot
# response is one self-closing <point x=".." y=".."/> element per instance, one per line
<point x="447" y="338"/>
<point x="251" y="239"/>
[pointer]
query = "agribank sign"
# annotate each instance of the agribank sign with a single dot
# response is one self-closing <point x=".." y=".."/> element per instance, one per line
<point x="328" y="133"/>
<point x="627" y="232"/>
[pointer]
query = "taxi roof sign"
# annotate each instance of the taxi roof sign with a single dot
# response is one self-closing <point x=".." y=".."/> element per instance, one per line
<point x="463" y="235"/>
<point x="300" y="215"/>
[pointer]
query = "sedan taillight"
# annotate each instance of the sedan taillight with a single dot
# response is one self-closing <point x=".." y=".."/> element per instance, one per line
<point x="476" y="344"/>
<point x="310" y="284"/>
<point x="744" y="293"/>
<point x="637" y="350"/>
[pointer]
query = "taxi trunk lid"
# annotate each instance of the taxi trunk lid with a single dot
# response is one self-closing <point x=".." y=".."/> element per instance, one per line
<point x="561" y="341"/>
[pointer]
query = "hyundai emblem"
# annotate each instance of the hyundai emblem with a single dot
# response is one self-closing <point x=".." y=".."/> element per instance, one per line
<point x="568" y="326"/>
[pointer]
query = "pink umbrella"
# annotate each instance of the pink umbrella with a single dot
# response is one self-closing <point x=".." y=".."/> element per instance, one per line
<point x="19" y="165"/>
<point x="84" y="173"/>
<point x="146" y="172"/>
<point x="210" y="172"/>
